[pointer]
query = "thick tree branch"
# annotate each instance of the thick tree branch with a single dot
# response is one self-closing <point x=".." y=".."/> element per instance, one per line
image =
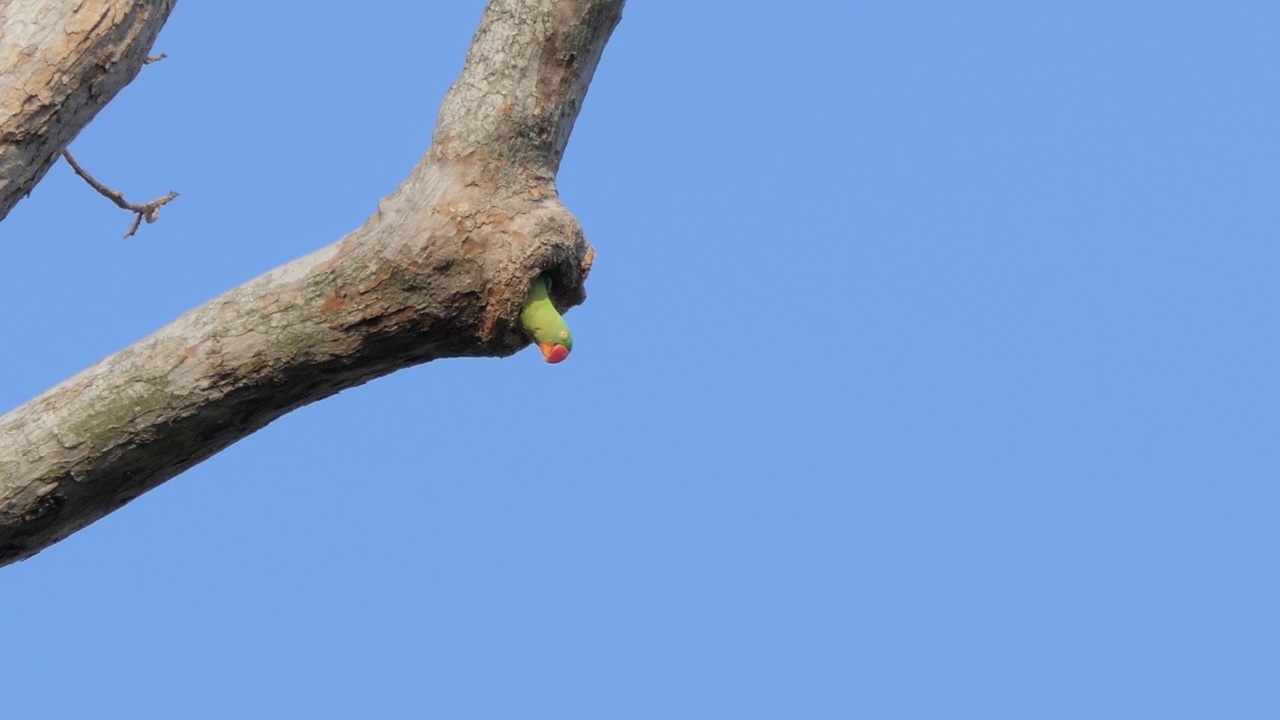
<point x="63" y="61"/>
<point x="440" y="270"/>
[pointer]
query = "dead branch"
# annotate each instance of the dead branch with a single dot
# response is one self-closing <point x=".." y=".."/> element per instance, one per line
<point x="145" y="211"/>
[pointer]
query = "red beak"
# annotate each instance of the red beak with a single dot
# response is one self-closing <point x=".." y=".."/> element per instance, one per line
<point x="553" y="353"/>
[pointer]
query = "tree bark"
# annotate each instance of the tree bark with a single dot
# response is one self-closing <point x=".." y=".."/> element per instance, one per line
<point x="441" y="269"/>
<point x="63" y="61"/>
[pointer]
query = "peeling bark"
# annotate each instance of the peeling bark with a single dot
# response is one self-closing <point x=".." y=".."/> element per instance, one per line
<point x="440" y="270"/>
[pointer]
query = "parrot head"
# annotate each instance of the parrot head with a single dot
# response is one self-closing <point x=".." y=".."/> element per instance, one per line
<point x="542" y="322"/>
<point x="557" y="349"/>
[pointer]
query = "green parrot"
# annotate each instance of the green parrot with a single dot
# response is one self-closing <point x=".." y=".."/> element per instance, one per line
<point x="543" y="323"/>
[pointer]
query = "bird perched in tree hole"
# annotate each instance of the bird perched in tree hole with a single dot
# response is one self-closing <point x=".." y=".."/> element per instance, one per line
<point x="543" y="323"/>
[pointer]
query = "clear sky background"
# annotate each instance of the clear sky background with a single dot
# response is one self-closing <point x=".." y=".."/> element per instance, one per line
<point x="928" y="370"/>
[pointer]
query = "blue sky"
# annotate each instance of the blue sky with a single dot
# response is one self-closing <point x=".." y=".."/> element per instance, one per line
<point x="928" y="370"/>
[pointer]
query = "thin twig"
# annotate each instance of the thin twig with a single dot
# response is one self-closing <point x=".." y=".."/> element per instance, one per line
<point x="154" y="59"/>
<point x="146" y="211"/>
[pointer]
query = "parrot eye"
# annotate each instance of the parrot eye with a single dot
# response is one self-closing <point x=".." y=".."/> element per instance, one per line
<point x="564" y="334"/>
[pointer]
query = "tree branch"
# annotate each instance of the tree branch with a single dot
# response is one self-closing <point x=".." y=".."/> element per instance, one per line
<point x="64" y="60"/>
<point x="146" y="211"/>
<point x="440" y="270"/>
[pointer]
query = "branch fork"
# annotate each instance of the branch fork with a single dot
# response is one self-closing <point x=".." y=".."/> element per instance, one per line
<point x="441" y="269"/>
<point x="145" y="211"/>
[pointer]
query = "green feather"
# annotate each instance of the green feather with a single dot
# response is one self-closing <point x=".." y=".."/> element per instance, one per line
<point x="542" y="321"/>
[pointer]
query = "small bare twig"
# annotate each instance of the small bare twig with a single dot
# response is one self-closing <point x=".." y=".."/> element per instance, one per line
<point x="154" y="59"/>
<point x="147" y="211"/>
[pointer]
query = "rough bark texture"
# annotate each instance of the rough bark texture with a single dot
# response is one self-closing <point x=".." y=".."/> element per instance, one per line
<point x="63" y="61"/>
<point x="440" y="270"/>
